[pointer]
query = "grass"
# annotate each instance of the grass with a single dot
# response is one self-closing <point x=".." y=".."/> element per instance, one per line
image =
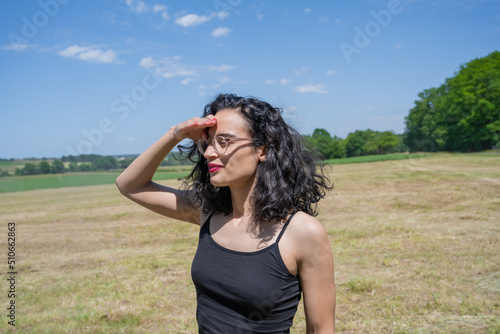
<point x="32" y="182"/>
<point x="376" y="158"/>
<point x="415" y="243"/>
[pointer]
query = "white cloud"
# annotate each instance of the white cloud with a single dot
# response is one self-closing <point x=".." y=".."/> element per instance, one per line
<point x="222" y="31"/>
<point x="159" y="8"/>
<point x="147" y="62"/>
<point x="283" y="81"/>
<point x="222" y="15"/>
<point x="301" y="70"/>
<point x="337" y="21"/>
<point x="137" y="6"/>
<point x="222" y="68"/>
<point x="89" y="53"/>
<point x="221" y="82"/>
<point x="202" y="89"/>
<point x="170" y="67"/>
<point x="15" y="47"/>
<point x="163" y="10"/>
<point x="307" y="10"/>
<point x="330" y="72"/>
<point x="310" y="88"/>
<point x="186" y="81"/>
<point x="399" y="45"/>
<point x="191" y="20"/>
<point x="259" y="17"/>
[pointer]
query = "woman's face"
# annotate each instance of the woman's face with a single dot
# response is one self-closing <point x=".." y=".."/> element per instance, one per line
<point x="238" y="165"/>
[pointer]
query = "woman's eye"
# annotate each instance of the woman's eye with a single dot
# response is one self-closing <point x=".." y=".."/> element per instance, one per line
<point x="224" y="142"/>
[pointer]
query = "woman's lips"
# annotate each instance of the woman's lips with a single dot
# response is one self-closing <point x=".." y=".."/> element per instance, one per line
<point x="212" y="168"/>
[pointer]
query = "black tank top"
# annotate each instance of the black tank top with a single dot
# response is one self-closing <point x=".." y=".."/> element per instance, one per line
<point x="243" y="292"/>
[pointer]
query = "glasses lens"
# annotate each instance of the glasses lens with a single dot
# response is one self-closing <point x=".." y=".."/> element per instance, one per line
<point x="221" y="145"/>
<point x="202" y="145"/>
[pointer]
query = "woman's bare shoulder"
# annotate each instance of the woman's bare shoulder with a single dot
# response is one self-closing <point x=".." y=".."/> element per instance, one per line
<point x="308" y="233"/>
<point x="305" y="226"/>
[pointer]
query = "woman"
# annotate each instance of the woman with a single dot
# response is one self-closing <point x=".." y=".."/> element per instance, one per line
<point x="252" y="191"/>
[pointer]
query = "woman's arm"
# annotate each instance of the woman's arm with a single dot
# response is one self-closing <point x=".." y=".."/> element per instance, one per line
<point x="317" y="277"/>
<point x="135" y="181"/>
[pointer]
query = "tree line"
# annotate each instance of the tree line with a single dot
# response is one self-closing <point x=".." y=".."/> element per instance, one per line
<point x="99" y="163"/>
<point x="357" y="143"/>
<point x="461" y="115"/>
<point x="83" y="163"/>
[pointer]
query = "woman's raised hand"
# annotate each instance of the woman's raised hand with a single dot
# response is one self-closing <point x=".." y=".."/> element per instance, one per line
<point x="194" y="128"/>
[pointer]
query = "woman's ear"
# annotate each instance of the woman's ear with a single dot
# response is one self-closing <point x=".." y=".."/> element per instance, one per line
<point x="262" y="153"/>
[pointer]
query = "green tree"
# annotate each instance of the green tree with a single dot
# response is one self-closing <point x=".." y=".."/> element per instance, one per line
<point x="104" y="163"/>
<point x="57" y="167"/>
<point x="400" y="146"/>
<point x="84" y="167"/>
<point x="30" y="169"/>
<point x="322" y="141"/>
<point x="337" y="148"/>
<point x="463" y="114"/>
<point x="44" y="167"/>
<point x="386" y="142"/>
<point x="355" y="143"/>
<point x="369" y="142"/>
<point x="329" y="147"/>
<point x="73" y="166"/>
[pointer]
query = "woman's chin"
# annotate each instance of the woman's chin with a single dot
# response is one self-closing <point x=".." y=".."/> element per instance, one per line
<point x="217" y="183"/>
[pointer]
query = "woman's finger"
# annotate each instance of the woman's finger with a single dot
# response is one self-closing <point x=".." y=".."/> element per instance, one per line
<point x="194" y="127"/>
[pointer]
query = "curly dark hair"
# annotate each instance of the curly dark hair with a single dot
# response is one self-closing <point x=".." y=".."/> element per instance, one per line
<point x="291" y="178"/>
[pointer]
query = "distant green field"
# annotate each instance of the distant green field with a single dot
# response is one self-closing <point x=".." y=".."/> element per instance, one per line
<point x="8" y="163"/>
<point x="32" y="182"/>
<point x="375" y="158"/>
<point x="24" y="183"/>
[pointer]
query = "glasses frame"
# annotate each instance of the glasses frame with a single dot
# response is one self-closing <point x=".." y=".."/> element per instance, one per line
<point x="199" y="143"/>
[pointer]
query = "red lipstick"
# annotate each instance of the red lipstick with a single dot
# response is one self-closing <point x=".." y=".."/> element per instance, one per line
<point x="212" y="168"/>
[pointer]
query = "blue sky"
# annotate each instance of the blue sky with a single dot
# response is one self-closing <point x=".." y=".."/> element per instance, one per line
<point x="110" y="77"/>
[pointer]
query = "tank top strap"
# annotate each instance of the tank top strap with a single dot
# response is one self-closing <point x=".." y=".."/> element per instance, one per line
<point x="206" y="225"/>
<point x="284" y="226"/>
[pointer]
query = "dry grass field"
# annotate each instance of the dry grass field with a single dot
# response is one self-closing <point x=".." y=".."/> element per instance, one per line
<point x="416" y="246"/>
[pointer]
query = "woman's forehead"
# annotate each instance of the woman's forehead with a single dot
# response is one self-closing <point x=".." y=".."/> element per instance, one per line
<point x="230" y="122"/>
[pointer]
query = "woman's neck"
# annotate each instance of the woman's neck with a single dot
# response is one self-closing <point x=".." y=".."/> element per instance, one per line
<point x="240" y="199"/>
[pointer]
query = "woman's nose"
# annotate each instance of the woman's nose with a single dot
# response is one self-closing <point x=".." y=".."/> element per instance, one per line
<point x="210" y="151"/>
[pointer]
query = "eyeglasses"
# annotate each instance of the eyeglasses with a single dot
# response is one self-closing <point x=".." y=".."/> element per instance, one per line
<point x="220" y="145"/>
